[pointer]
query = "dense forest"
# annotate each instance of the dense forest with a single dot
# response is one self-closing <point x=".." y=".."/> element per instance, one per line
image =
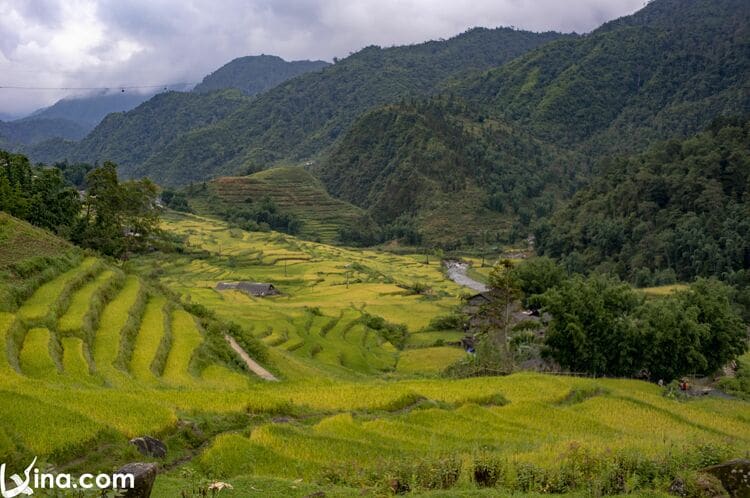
<point x="448" y="171"/>
<point x="665" y="71"/>
<point x="678" y="211"/>
<point x="255" y="74"/>
<point x="296" y="119"/>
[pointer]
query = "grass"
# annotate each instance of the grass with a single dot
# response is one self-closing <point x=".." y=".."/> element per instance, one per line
<point x="186" y="338"/>
<point x="428" y="360"/>
<point x="19" y="239"/>
<point x="35" y="356"/>
<point x="112" y="321"/>
<point x="352" y="411"/>
<point x="148" y="339"/>
<point x="44" y="301"/>
<point x="663" y="290"/>
<point x="80" y="302"/>
<point x="74" y="360"/>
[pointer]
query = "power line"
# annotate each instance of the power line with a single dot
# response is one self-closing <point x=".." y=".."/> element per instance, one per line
<point x="115" y="87"/>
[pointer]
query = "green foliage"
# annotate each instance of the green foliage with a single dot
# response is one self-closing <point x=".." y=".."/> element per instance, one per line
<point x="118" y="217"/>
<point x="38" y="195"/>
<point x="262" y="216"/>
<point x="175" y="138"/>
<point x="424" y="170"/>
<point x="176" y="200"/>
<point x="603" y="327"/>
<point x="396" y="334"/>
<point x="665" y="71"/>
<point x="256" y="74"/>
<point x="681" y="208"/>
<point x="536" y="276"/>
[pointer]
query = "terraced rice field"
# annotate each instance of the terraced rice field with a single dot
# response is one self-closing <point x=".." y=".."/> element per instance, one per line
<point x="293" y="190"/>
<point x="317" y="321"/>
<point x="349" y="401"/>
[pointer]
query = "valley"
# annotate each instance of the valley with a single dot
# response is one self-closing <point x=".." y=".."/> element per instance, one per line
<point x="502" y="262"/>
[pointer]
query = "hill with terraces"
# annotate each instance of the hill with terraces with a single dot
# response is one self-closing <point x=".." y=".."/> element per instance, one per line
<point x="292" y="189"/>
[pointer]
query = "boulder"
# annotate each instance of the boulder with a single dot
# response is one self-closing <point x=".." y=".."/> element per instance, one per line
<point x="150" y="447"/>
<point x="734" y="476"/>
<point x="144" y="475"/>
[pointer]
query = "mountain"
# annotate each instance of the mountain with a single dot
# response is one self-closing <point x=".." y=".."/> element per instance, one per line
<point x="302" y="116"/>
<point x="678" y="211"/>
<point x="132" y="137"/>
<point x="67" y="119"/>
<point x="256" y="74"/>
<point x="88" y="111"/>
<point x="15" y="134"/>
<point x="665" y="71"/>
<point x="457" y="177"/>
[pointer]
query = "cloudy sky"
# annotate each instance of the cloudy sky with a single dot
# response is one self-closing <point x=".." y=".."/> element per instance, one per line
<point x="112" y="43"/>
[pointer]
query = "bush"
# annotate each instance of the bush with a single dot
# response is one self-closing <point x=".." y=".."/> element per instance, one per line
<point x="488" y="470"/>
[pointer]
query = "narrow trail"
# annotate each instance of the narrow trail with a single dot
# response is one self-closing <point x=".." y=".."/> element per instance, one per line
<point x="251" y="364"/>
<point x="457" y="272"/>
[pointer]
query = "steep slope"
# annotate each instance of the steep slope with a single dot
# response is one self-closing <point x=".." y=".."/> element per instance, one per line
<point x="292" y="189"/>
<point x="130" y="138"/>
<point x="303" y="116"/>
<point x="662" y="72"/>
<point x="89" y="110"/>
<point x="15" y="134"/>
<point x="19" y="240"/>
<point x="667" y="70"/>
<point x="293" y="120"/>
<point x="680" y="210"/>
<point x="457" y="176"/>
<point x="256" y="74"/>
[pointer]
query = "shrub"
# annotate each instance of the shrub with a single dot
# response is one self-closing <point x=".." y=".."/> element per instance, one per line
<point x="488" y="470"/>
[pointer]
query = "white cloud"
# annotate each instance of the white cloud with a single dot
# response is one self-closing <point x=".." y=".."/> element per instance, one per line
<point x="81" y="43"/>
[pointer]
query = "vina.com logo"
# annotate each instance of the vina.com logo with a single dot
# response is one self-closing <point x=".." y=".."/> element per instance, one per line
<point x="34" y="479"/>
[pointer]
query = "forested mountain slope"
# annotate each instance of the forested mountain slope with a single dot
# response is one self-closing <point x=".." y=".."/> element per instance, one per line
<point x="665" y="71"/>
<point x="294" y="120"/>
<point x="678" y="211"/>
<point x="449" y="171"/>
<point x="256" y="73"/>
<point x="132" y="137"/>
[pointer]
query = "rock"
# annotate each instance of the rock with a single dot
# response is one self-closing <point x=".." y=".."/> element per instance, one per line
<point x="150" y="447"/>
<point x="144" y="475"/>
<point x="734" y="476"/>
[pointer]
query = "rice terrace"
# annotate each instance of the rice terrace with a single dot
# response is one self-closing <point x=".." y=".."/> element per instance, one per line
<point x="502" y="263"/>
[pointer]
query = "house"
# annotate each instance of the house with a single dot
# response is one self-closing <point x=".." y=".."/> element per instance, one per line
<point x="255" y="289"/>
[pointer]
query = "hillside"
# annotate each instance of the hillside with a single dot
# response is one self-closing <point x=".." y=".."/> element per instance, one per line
<point x="15" y="134"/>
<point x="296" y="119"/>
<point x="256" y="74"/>
<point x="89" y="110"/>
<point x="459" y="178"/>
<point x="678" y="211"/>
<point x="291" y="188"/>
<point x="19" y="240"/>
<point x="95" y="356"/>
<point x="131" y="137"/>
<point x="665" y="71"/>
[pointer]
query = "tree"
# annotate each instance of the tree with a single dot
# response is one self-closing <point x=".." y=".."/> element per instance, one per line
<point x="493" y="347"/>
<point x="592" y="328"/>
<point x="535" y="276"/>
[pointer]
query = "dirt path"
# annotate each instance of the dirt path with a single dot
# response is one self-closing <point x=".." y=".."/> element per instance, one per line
<point x="457" y="272"/>
<point x="251" y="364"/>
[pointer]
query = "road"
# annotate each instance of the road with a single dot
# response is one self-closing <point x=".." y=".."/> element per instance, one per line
<point x="457" y="272"/>
<point x="251" y="364"/>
